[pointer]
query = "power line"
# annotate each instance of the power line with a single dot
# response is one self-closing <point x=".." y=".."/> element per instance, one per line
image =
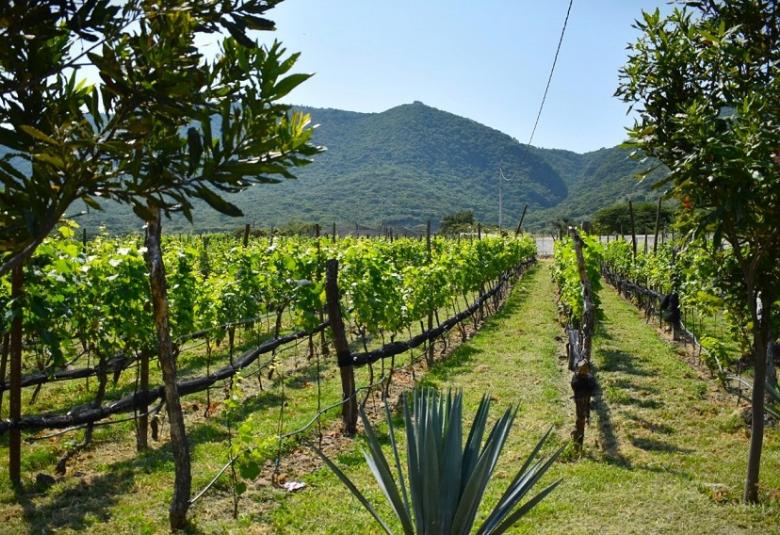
<point x="552" y="70"/>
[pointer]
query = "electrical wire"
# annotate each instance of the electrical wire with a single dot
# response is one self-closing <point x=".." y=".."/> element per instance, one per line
<point x="552" y="70"/>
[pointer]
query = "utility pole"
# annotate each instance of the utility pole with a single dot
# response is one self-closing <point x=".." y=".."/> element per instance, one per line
<point x="501" y="180"/>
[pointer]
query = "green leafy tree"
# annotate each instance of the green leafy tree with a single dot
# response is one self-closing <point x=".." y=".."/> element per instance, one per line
<point x="171" y="99"/>
<point x="616" y="218"/>
<point x="705" y="80"/>
<point x="49" y="148"/>
<point x="144" y="137"/>
<point x="462" y="221"/>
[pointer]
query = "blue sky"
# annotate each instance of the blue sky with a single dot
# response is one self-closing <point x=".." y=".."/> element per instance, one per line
<point x="485" y="60"/>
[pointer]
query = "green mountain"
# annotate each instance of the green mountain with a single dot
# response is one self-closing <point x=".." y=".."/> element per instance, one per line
<point x="412" y="163"/>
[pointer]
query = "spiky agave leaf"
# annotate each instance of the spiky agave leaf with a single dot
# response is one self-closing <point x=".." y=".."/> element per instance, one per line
<point x="447" y="479"/>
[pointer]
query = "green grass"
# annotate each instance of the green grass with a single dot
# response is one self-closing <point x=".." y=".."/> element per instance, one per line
<point x="662" y="452"/>
<point x="514" y="357"/>
<point x="110" y="488"/>
<point x="665" y="451"/>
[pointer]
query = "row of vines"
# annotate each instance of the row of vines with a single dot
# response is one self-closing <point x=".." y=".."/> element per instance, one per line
<point x="93" y="297"/>
<point x="708" y="285"/>
<point x="576" y="272"/>
<point x="701" y="286"/>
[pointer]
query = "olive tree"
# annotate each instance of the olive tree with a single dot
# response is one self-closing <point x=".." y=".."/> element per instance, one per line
<point x="49" y="148"/>
<point x="704" y="81"/>
<point x="194" y="128"/>
<point x="164" y="126"/>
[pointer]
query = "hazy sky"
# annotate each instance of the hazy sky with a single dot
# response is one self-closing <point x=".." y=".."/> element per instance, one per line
<point x="487" y="60"/>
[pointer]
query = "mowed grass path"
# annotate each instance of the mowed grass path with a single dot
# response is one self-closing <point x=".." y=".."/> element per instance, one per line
<point x="664" y="453"/>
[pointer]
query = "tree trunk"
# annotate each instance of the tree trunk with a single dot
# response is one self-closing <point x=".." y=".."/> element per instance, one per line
<point x="142" y="424"/>
<point x="771" y="372"/>
<point x="633" y="229"/>
<point x="3" y="365"/>
<point x="15" y="434"/>
<point x="181" y="455"/>
<point x="760" y="340"/>
<point x="349" y="412"/>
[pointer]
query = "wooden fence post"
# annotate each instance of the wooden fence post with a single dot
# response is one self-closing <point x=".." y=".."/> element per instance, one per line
<point x="633" y="228"/>
<point x="246" y="235"/>
<point x="323" y="341"/>
<point x="657" y="224"/>
<point x="429" y="343"/>
<point x="348" y="395"/>
<point x="15" y="410"/>
<point x="520" y="224"/>
<point x="582" y="382"/>
<point x="142" y="423"/>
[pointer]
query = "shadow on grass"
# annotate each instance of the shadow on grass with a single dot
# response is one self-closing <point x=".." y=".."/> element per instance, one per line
<point x="306" y="376"/>
<point x="650" y="426"/>
<point x="460" y="361"/>
<point x="83" y="503"/>
<point x="643" y="403"/>
<point x="626" y="384"/>
<point x="607" y="437"/>
<point x="620" y="361"/>
<point x="79" y="506"/>
<point x="650" y="444"/>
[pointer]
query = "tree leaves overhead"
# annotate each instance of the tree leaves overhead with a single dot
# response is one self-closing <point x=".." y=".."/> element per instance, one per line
<point x="50" y="143"/>
<point x="143" y="135"/>
<point x="709" y="94"/>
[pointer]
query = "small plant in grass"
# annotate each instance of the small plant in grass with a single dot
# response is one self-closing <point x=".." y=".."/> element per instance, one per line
<point x="445" y="481"/>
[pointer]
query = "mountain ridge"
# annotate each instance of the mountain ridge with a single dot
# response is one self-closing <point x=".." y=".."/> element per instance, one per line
<point x="413" y="163"/>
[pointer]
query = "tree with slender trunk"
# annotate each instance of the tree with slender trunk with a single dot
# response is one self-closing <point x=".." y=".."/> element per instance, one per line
<point x="706" y="86"/>
<point x="165" y="125"/>
<point x="49" y="149"/>
<point x="196" y="128"/>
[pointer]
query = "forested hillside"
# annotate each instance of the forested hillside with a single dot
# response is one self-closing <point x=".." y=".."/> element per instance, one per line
<point x="412" y="163"/>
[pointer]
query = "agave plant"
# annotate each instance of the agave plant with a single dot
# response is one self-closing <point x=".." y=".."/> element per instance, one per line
<point x="447" y="480"/>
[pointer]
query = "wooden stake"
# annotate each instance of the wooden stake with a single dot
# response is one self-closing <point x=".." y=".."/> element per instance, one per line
<point x="323" y="341"/>
<point x="583" y="383"/>
<point x="15" y="411"/>
<point x="633" y="228"/>
<point x="429" y="343"/>
<point x="343" y="356"/>
<point x="657" y="224"/>
<point x="142" y="424"/>
<point x="246" y="235"/>
<point x="519" y="228"/>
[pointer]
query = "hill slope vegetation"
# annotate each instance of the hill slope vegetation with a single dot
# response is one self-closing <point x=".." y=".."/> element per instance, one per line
<point x="412" y="163"/>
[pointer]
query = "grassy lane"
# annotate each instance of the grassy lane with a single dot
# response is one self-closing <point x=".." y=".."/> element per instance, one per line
<point x="514" y="356"/>
<point x="665" y="452"/>
<point x="668" y="450"/>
